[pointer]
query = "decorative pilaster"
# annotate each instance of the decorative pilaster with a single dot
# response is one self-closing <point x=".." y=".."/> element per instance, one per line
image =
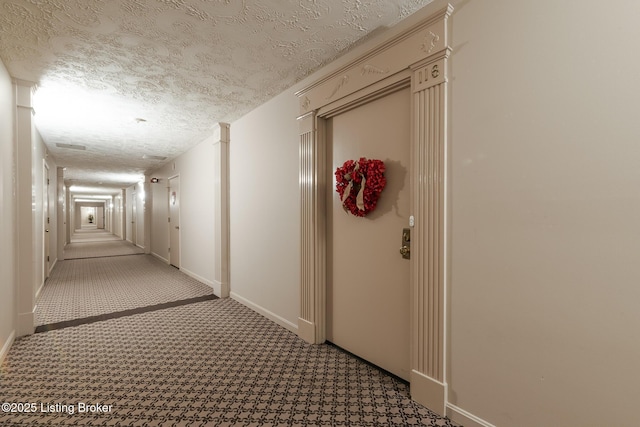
<point x="311" y="323"/>
<point x="67" y="214"/>
<point x="147" y="207"/>
<point x="428" y="384"/>
<point x="61" y="208"/>
<point x="124" y="214"/>
<point x="221" y="197"/>
<point x="25" y="219"/>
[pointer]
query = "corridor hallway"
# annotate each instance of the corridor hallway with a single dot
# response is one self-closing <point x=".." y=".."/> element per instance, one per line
<point x="106" y="277"/>
<point x="151" y="346"/>
<point x="96" y="243"/>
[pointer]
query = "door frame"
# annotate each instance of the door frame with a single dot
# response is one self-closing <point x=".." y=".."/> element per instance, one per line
<point x="134" y="218"/>
<point x="417" y="56"/>
<point x="46" y="222"/>
<point x="170" y="223"/>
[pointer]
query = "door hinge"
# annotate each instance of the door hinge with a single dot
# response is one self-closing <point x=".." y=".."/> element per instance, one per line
<point x="169" y="250"/>
<point x="47" y="181"/>
<point x="169" y="219"/>
<point x="47" y="258"/>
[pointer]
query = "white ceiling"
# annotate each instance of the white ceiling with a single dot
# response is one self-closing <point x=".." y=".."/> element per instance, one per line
<point x="181" y="65"/>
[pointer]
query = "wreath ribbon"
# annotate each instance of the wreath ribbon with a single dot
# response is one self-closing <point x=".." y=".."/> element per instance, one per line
<point x="347" y="190"/>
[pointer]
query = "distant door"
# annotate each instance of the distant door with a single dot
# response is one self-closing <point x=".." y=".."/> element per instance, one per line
<point x="100" y="217"/>
<point x="134" y="218"/>
<point x="47" y="220"/>
<point x="368" y="285"/>
<point x="174" y="221"/>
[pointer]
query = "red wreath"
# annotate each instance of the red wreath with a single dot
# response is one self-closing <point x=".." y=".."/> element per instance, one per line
<point x="359" y="184"/>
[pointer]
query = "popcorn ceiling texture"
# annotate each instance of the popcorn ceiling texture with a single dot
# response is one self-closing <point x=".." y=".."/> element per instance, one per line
<point x="182" y="65"/>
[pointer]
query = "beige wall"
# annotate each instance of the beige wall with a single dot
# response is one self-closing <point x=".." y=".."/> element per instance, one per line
<point x="7" y="216"/>
<point x="264" y="211"/>
<point x="545" y="201"/>
<point x="117" y="215"/>
<point x="197" y="175"/>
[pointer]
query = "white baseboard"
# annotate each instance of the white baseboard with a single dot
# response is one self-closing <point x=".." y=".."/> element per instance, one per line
<point x="219" y="289"/>
<point x="7" y="345"/>
<point x="39" y="290"/>
<point x="53" y="264"/>
<point x="307" y="330"/>
<point x="197" y="277"/>
<point x="266" y="313"/>
<point x="462" y="417"/>
<point x="140" y="246"/>
<point x="428" y="392"/>
<point x="166" y="261"/>
<point x="26" y="322"/>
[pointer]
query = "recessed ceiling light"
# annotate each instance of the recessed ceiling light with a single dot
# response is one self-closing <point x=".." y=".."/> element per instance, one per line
<point x="71" y="146"/>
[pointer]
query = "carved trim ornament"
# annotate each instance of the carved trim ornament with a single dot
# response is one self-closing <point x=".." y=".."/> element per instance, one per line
<point x="430" y="42"/>
<point x="372" y="69"/>
<point x="418" y="55"/>
<point x="341" y="83"/>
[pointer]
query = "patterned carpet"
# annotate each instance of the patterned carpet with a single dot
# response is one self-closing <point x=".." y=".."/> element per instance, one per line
<point x="92" y="234"/>
<point x="99" y="249"/>
<point x="214" y="363"/>
<point x="207" y="363"/>
<point x="89" y="287"/>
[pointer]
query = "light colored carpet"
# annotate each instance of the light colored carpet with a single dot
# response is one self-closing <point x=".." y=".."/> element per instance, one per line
<point x="92" y="235"/>
<point x="100" y="249"/>
<point x="213" y="363"/>
<point x="93" y="286"/>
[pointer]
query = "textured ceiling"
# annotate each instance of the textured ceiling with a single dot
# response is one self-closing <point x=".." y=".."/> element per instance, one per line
<point x="181" y="65"/>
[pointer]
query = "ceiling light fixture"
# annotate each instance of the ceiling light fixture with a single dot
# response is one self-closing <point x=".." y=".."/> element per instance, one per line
<point x="150" y="157"/>
<point x="71" y="146"/>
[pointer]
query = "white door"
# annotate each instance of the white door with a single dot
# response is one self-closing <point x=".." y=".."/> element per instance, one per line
<point x="367" y="278"/>
<point x="100" y="217"/>
<point x="174" y="221"/>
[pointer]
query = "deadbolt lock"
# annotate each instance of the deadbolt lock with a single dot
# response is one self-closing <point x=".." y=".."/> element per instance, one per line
<point x="405" y="249"/>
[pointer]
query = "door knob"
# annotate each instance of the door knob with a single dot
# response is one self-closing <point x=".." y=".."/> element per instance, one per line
<point x="405" y="251"/>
